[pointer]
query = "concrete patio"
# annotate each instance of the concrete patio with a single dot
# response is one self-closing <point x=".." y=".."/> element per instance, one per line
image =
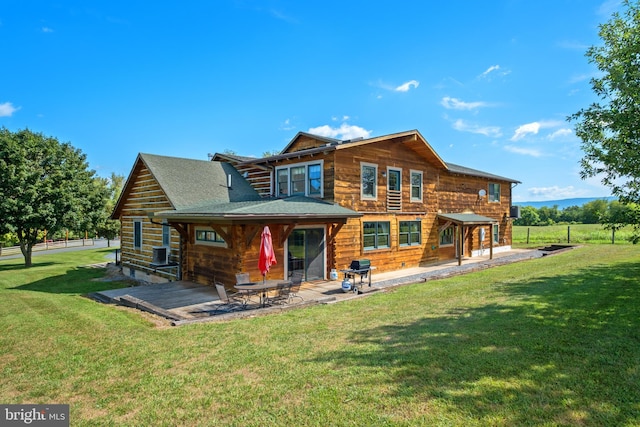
<point x="185" y="302"/>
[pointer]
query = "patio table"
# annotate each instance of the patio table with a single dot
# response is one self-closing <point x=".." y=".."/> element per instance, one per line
<point x="261" y="288"/>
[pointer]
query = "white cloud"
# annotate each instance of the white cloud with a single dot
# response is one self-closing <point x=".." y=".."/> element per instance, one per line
<point x="405" y="87"/>
<point x="556" y="193"/>
<point x="47" y="30"/>
<point x="345" y="131"/>
<point x="492" y="131"/>
<point x="7" y="109"/>
<point x="287" y="125"/>
<point x="524" y="151"/>
<point x="525" y="130"/>
<point x="560" y="133"/>
<point x="534" y="128"/>
<point x="455" y="104"/>
<point x="489" y="70"/>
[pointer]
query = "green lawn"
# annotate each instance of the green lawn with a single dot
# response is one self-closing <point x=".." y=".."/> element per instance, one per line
<point x="553" y="341"/>
<point x="575" y="234"/>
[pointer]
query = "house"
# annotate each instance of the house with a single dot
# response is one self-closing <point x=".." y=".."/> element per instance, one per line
<point x="390" y="199"/>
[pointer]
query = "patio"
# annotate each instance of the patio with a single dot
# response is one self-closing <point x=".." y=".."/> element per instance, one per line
<point x="185" y="302"/>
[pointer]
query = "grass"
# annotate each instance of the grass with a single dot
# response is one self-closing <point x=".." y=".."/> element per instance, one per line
<point x="552" y="341"/>
<point x="574" y="233"/>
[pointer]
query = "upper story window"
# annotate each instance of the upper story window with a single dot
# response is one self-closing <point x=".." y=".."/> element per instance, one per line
<point x="369" y="180"/>
<point x="416" y="186"/>
<point x="302" y="179"/>
<point x="494" y="192"/>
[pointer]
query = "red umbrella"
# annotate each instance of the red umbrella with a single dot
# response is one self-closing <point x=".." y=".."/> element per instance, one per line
<point x="267" y="256"/>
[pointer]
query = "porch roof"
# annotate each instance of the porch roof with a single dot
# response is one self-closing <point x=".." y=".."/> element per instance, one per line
<point x="290" y="208"/>
<point x="467" y="219"/>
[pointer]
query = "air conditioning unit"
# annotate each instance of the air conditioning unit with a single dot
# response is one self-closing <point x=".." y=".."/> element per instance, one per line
<point x="514" y="212"/>
<point x="160" y="256"/>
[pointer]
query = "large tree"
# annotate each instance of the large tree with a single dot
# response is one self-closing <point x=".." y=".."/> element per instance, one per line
<point x="610" y="128"/>
<point x="45" y="185"/>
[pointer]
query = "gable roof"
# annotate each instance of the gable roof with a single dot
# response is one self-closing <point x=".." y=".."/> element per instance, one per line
<point x="413" y="139"/>
<point x="462" y="170"/>
<point x="188" y="183"/>
<point x="295" y="207"/>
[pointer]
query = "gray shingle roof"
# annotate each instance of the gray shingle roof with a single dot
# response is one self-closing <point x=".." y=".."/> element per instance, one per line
<point x="291" y="207"/>
<point x="467" y="218"/>
<point x="189" y="183"/>
<point x="474" y="172"/>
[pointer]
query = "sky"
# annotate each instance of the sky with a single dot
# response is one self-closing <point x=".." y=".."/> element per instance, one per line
<point x="489" y="84"/>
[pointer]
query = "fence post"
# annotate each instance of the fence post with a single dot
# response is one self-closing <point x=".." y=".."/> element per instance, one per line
<point x="528" y="231"/>
<point x="613" y="236"/>
<point x="568" y="234"/>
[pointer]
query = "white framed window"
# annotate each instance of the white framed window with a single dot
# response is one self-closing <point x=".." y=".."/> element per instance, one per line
<point x="166" y="234"/>
<point x="368" y="181"/>
<point x="394" y="179"/>
<point x="447" y="236"/>
<point x="137" y="234"/>
<point x="494" y="192"/>
<point x="304" y="179"/>
<point x="416" y="186"/>
<point x="208" y="236"/>
<point x="410" y="233"/>
<point x="376" y="235"/>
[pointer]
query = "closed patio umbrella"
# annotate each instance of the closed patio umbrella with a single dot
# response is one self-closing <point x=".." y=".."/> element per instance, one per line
<point x="267" y="255"/>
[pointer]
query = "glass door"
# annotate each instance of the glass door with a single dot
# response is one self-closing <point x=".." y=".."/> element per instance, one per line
<point x="306" y="252"/>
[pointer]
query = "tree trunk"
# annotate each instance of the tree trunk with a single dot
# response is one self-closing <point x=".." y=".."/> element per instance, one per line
<point x="27" y="250"/>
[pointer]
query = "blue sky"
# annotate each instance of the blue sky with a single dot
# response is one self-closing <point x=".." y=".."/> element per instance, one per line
<point x="488" y="83"/>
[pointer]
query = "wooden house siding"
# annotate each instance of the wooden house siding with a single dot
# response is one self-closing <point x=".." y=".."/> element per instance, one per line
<point x="208" y="263"/>
<point x="145" y="195"/>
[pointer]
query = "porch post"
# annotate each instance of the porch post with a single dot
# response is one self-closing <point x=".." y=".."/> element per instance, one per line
<point x="461" y="243"/>
<point x="491" y="241"/>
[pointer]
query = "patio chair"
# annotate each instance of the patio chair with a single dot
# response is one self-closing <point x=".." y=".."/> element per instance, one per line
<point x="242" y="278"/>
<point x="231" y="302"/>
<point x="282" y="294"/>
<point x="296" y="282"/>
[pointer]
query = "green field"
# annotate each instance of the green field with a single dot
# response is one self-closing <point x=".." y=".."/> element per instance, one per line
<point x="552" y="341"/>
<point x="575" y="233"/>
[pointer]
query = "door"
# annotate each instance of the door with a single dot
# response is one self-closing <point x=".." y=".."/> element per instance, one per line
<point x="306" y="252"/>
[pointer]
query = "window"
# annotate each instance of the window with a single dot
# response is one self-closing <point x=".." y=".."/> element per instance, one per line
<point x="137" y="234"/>
<point x="410" y="233"/>
<point x="376" y="235"/>
<point x="395" y="179"/>
<point x="315" y="180"/>
<point x="496" y="233"/>
<point x="208" y="236"/>
<point x="494" y="192"/>
<point x="446" y="236"/>
<point x="166" y="235"/>
<point x="369" y="184"/>
<point x="299" y="179"/>
<point x="283" y="182"/>
<point x="416" y="186"/>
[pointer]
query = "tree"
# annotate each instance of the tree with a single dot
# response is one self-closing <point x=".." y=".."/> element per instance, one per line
<point x="610" y="129"/>
<point x="110" y="228"/>
<point x="46" y="185"/>
<point x="528" y="216"/>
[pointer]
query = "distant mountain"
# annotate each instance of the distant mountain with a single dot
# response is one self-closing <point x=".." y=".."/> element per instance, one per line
<point x="564" y="203"/>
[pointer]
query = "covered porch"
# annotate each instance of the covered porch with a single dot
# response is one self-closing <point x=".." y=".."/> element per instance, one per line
<point x="465" y="224"/>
